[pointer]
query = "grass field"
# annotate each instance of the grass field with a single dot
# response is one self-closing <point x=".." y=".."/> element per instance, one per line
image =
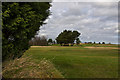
<point x="74" y="62"/>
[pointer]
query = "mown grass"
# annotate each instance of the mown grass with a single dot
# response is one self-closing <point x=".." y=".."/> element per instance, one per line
<point x="79" y="62"/>
<point x="100" y="45"/>
<point x="93" y="45"/>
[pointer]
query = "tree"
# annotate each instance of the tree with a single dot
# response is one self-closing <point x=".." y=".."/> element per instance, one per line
<point x="77" y="41"/>
<point x="21" y="21"/>
<point x="50" y="41"/>
<point x="94" y="43"/>
<point x="66" y="37"/>
<point x="99" y="43"/>
<point x="54" y="42"/>
<point x="109" y="43"/>
<point x="38" y="41"/>
<point x="103" y="42"/>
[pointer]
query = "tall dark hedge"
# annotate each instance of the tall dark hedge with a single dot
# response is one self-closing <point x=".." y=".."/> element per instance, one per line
<point x="20" y="22"/>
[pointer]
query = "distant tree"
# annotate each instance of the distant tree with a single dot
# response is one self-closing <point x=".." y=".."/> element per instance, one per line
<point x="89" y="42"/>
<point x="109" y="43"/>
<point x="38" y="41"/>
<point x="77" y="41"/>
<point x="66" y="37"/>
<point x="103" y="42"/>
<point x="54" y="42"/>
<point x="94" y="43"/>
<point x="20" y="22"/>
<point x="99" y="43"/>
<point x="50" y="41"/>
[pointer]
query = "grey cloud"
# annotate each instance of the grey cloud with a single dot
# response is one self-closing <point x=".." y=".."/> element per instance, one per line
<point x="96" y="21"/>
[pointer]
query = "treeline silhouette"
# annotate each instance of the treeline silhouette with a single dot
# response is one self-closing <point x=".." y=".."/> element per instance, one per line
<point x="39" y="41"/>
<point x="96" y="43"/>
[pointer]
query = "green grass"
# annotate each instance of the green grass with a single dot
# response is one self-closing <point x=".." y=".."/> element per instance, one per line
<point x="79" y="62"/>
<point x="94" y="45"/>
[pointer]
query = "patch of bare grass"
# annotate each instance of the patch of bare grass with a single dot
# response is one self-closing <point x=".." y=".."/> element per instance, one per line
<point x="101" y="47"/>
<point x="27" y="68"/>
<point x="42" y="46"/>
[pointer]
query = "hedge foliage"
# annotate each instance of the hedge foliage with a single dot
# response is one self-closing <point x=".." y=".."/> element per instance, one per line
<point x="20" y="22"/>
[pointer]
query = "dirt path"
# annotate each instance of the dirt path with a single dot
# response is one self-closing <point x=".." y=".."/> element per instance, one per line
<point x="99" y="56"/>
<point x="102" y="47"/>
<point x="84" y="47"/>
<point x="42" y="46"/>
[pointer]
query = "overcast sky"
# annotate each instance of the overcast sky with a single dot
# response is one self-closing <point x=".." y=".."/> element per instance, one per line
<point x="96" y="21"/>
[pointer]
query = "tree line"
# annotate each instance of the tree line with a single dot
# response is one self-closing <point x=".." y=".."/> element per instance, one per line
<point x="41" y="41"/>
<point x="65" y="38"/>
<point x="96" y="43"/>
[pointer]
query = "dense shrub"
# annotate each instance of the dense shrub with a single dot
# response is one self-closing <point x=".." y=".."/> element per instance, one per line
<point x="20" y="21"/>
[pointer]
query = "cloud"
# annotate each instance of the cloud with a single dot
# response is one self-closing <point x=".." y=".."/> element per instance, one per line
<point x="97" y="21"/>
<point x="85" y="0"/>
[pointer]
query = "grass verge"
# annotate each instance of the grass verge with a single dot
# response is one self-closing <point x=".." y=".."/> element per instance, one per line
<point x="28" y="68"/>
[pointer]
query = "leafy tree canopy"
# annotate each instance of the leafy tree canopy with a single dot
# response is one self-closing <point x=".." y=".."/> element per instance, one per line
<point x="20" y="21"/>
<point x="78" y="41"/>
<point x="50" y="41"/>
<point x="103" y="42"/>
<point x="67" y="36"/>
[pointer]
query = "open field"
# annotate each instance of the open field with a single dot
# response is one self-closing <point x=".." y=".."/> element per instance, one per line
<point x="71" y="62"/>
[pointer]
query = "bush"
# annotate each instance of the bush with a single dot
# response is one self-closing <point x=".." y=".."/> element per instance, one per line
<point x="21" y="21"/>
